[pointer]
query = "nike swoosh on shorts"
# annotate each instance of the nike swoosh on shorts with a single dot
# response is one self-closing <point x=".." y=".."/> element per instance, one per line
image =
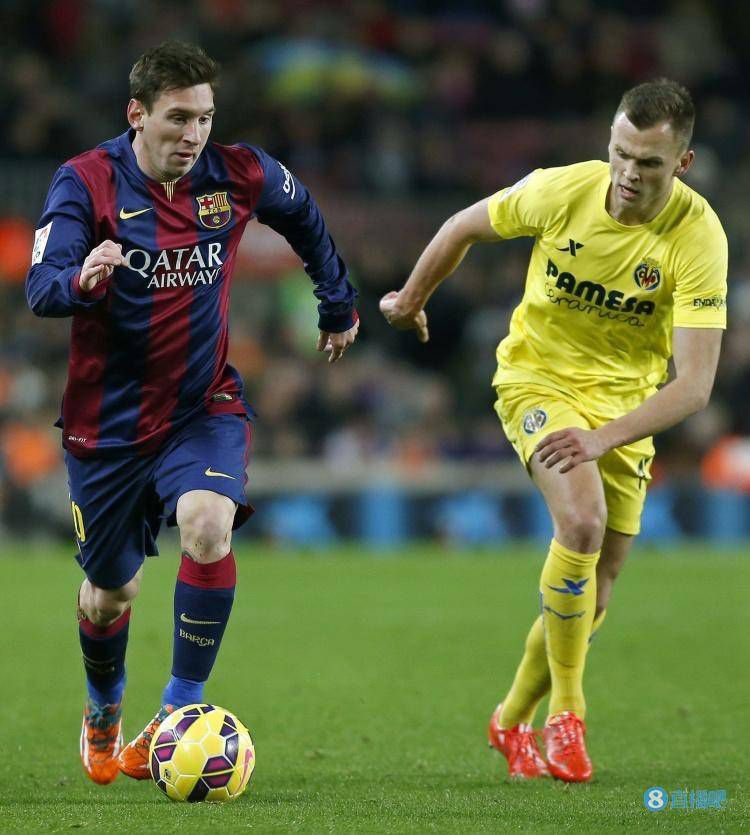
<point x="210" y="472"/>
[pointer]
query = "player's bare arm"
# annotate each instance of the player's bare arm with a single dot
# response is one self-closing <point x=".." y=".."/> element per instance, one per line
<point x="337" y="343"/>
<point x="696" y="356"/>
<point x="99" y="264"/>
<point x="404" y="310"/>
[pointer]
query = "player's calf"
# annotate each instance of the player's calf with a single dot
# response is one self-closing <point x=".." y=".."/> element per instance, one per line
<point x="103" y="626"/>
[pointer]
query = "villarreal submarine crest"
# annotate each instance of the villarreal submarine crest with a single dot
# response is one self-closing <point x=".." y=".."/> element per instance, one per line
<point x="647" y="274"/>
<point x="214" y="210"/>
<point x="534" y="420"/>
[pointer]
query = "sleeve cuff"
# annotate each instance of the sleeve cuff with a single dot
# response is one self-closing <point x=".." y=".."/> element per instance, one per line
<point x="337" y="322"/>
<point x="99" y="292"/>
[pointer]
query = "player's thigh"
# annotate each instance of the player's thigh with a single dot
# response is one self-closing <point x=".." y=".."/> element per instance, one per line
<point x="575" y="499"/>
<point x="208" y="458"/>
<point x="576" y="503"/>
<point x="108" y="502"/>
<point x="626" y="473"/>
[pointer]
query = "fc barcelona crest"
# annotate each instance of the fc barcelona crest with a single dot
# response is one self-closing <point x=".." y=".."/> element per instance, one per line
<point x="647" y="274"/>
<point x="214" y="210"/>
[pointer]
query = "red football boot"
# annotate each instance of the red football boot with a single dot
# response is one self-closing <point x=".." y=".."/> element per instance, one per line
<point x="133" y="759"/>
<point x="519" y="746"/>
<point x="566" y="750"/>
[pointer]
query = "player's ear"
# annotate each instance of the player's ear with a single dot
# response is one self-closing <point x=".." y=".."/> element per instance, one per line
<point x="686" y="160"/>
<point x="135" y="113"/>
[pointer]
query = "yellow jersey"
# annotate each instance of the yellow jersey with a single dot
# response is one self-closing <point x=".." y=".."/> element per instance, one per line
<point x="601" y="298"/>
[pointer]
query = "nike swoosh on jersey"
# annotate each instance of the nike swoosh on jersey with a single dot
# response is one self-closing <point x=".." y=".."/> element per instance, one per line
<point x="126" y="215"/>
<point x="210" y="472"/>
<point x="185" y="619"/>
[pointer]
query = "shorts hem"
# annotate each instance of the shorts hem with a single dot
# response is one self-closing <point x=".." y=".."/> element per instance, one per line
<point x="620" y="526"/>
<point x="242" y="513"/>
<point x="108" y="583"/>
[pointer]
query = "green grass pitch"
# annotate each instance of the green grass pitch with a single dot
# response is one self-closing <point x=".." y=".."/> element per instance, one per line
<point x="367" y="682"/>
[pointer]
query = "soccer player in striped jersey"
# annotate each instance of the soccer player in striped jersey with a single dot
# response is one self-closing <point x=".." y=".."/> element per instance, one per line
<point x="137" y="243"/>
<point x="628" y="268"/>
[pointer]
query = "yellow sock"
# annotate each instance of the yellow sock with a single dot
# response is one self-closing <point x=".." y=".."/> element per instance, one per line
<point x="532" y="681"/>
<point x="568" y="599"/>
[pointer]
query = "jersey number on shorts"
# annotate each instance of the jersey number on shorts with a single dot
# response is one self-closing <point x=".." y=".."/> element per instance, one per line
<point x="78" y="522"/>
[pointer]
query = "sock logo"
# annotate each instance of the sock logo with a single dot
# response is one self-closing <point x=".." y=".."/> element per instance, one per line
<point x="185" y="619"/>
<point x="102" y="667"/>
<point x="574" y="587"/>
<point x="201" y="640"/>
<point x="559" y="614"/>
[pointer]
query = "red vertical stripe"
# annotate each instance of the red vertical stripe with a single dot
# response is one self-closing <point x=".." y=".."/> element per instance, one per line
<point x="89" y="343"/>
<point x="169" y="325"/>
<point x="248" y="441"/>
<point x="244" y="512"/>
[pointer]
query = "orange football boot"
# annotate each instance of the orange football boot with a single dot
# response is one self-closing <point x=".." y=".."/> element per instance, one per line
<point x="133" y="759"/>
<point x="519" y="746"/>
<point x="101" y="741"/>
<point x="566" y="750"/>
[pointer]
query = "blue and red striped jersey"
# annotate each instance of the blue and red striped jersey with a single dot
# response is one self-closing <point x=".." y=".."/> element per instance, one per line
<point x="149" y="345"/>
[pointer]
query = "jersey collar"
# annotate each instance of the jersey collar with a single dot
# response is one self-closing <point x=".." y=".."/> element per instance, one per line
<point x="123" y="150"/>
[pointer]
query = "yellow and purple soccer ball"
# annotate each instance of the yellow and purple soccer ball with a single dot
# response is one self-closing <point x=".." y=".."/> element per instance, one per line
<point x="202" y="753"/>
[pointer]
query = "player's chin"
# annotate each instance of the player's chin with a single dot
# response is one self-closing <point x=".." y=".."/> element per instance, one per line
<point x="179" y="165"/>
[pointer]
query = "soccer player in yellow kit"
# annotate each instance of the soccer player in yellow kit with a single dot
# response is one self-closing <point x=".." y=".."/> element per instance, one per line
<point x="628" y="268"/>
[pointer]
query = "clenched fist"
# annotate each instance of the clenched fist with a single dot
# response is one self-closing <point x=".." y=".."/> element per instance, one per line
<point x="403" y="319"/>
<point x="99" y="265"/>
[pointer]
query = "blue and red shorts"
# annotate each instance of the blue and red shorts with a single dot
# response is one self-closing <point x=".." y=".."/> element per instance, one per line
<point x="119" y="504"/>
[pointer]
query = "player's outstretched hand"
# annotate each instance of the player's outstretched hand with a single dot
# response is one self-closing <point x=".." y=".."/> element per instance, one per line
<point x="572" y="446"/>
<point x="401" y="319"/>
<point x="337" y="343"/>
<point x="99" y="264"/>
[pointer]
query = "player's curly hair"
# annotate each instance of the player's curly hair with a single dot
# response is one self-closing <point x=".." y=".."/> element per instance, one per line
<point x="172" y="65"/>
<point x="660" y="100"/>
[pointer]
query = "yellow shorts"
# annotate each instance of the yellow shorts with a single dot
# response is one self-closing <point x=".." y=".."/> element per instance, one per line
<point x="530" y="412"/>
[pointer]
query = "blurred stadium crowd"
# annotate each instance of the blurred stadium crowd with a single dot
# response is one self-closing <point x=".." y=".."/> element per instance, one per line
<point x="395" y="114"/>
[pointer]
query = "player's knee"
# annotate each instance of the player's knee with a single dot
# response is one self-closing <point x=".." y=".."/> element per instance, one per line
<point x="104" y="606"/>
<point x="107" y="607"/>
<point x="205" y="534"/>
<point x="583" y="527"/>
<point x="108" y="613"/>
